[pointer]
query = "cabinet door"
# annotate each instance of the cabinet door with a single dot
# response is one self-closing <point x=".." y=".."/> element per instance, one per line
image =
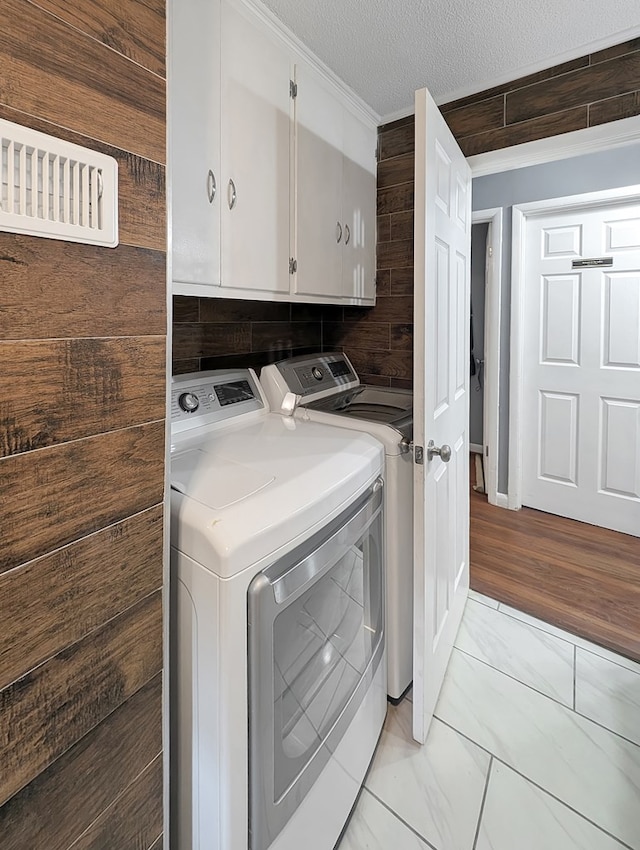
<point x="318" y="196"/>
<point x="194" y="141"/>
<point x="359" y="209"/>
<point x="256" y="118"/>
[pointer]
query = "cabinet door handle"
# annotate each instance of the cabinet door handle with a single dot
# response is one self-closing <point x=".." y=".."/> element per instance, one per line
<point x="233" y="195"/>
<point x="348" y="236"/>
<point x="211" y="186"/>
<point x="338" y="232"/>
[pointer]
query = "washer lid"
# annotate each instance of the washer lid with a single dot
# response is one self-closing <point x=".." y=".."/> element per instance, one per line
<point x="215" y="482"/>
<point x="384" y="405"/>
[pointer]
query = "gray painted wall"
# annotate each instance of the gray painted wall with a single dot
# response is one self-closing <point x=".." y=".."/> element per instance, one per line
<point x="478" y="281"/>
<point x="588" y="173"/>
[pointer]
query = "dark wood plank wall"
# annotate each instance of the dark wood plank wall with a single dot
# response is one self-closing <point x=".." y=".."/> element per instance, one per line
<point x="82" y="376"/>
<point x="591" y="90"/>
<point x="594" y="89"/>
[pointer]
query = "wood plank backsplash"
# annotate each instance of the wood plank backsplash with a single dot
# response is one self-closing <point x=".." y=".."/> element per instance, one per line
<point x="82" y="377"/>
<point x="220" y="333"/>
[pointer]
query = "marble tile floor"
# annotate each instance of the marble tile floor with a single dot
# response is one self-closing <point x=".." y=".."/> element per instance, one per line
<point x="535" y="745"/>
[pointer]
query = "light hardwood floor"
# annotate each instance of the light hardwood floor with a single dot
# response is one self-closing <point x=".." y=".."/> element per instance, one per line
<point x="576" y="576"/>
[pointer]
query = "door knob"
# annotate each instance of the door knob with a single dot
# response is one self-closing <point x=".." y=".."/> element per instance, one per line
<point x="444" y="451"/>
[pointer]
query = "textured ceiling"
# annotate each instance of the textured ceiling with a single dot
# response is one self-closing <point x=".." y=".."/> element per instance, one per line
<point x="386" y="49"/>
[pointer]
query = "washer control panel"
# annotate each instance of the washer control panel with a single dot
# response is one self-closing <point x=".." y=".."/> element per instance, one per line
<point x="203" y="398"/>
<point x="306" y="375"/>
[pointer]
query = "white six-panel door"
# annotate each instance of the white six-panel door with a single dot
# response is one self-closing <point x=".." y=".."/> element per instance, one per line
<point x="441" y="402"/>
<point x="581" y="366"/>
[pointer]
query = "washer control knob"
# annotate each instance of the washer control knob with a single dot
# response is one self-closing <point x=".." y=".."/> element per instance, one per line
<point x="317" y="373"/>
<point x="189" y="402"/>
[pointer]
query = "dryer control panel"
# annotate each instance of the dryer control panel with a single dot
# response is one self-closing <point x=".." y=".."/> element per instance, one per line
<point x="205" y="398"/>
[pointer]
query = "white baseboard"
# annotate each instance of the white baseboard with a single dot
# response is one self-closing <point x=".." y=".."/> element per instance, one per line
<point x="477" y="448"/>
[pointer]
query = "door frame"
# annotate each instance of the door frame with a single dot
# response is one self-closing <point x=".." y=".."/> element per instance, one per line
<point x="492" y="308"/>
<point x="521" y="214"/>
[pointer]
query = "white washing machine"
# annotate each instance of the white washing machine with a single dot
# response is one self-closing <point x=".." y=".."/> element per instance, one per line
<point x="278" y="689"/>
<point x="330" y="392"/>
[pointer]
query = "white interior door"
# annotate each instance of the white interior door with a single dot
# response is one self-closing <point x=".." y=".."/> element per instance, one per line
<point x="581" y="366"/>
<point x="441" y="402"/>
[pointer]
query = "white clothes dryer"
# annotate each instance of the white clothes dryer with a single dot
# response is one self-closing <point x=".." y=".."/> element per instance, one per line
<point x="278" y="675"/>
<point x="325" y="388"/>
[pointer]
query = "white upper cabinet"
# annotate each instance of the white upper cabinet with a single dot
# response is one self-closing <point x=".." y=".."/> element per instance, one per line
<point x="194" y="141"/>
<point x="272" y="193"/>
<point x="359" y="209"/>
<point x="335" y="194"/>
<point x="318" y="187"/>
<point x="255" y="127"/>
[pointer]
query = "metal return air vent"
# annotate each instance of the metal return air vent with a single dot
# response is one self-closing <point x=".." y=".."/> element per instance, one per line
<point x="57" y="189"/>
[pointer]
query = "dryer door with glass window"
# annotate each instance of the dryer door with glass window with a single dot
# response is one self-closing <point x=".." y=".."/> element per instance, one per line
<point x="316" y="637"/>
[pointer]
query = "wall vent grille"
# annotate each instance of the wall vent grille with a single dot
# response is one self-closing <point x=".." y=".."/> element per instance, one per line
<point x="56" y="189"/>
